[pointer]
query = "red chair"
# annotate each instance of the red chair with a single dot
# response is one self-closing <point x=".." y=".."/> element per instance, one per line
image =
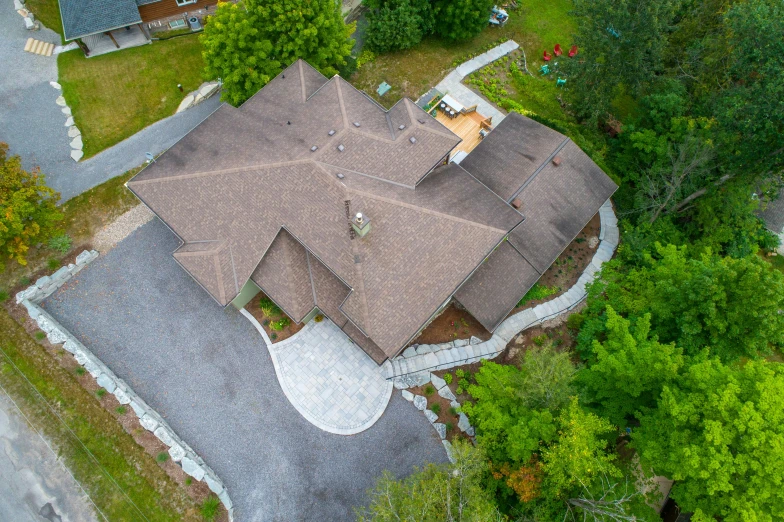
<point x="573" y="51"/>
<point x="557" y="50"/>
<point x="546" y="56"/>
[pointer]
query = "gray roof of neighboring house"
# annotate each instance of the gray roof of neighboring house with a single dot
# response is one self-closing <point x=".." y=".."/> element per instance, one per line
<point x="773" y="215"/>
<point x="558" y="201"/>
<point x="263" y="192"/>
<point x="85" y="17"/>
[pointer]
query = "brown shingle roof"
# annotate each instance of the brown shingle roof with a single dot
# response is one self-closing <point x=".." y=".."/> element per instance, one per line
<point x="251" y="199"/>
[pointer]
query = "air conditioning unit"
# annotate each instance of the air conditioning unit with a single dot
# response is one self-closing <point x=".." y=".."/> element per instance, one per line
<point x="194" y="23"/>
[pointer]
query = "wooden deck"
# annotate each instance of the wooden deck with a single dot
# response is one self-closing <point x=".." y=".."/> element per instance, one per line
<point x="466" y="126"/>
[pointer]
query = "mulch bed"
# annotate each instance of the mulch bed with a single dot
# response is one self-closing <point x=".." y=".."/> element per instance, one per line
<point x="255" y="310"/>
<point x="453" y="323"/>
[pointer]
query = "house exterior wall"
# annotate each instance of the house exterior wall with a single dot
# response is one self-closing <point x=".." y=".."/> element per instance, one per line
<point x="168" y="8"/>
<point x="248" y="292"/>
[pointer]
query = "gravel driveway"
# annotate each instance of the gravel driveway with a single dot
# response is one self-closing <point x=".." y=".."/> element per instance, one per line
<point x="34" y="127"/>
<point x="207" y="371"/>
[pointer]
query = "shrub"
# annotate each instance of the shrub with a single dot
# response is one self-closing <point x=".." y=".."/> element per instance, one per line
<point x="3" y="296"/>
<point x="162" y="457"/>
<point x="318" y="318"/>
<point x="539" y="340"/>
<point x="538" y="292"/>
<point x="366" y="56"/>
<point x="273" y="336"/>
<point x="460" y="373"/>
<point x="60" y="243"/>
<point x="463" y="383"/>
<point x="52" y="263"/>
<point x="449" y="426"/>
<point x="435" y="408"/>
<point x="24" y="281"/>
<point x="280" y="324"/>
<point x="100" y="392"/>
<point x="209" y="508"/>
<point x="266" y="322"/>
<point x="188" y="481"/>
<point x="453" y="411"/>
<point x="459" y="389"/>
<point x="79" y="370"/>
<point x="429" y="390"/>
<point x="269" y="308"/>
<point x="575" y="321"/>
<point x="448" y="378"/>
<point x="40" y="336"/>
<point x="120" y="410"/>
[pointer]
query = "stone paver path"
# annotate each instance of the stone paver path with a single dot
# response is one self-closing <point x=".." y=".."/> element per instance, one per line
<point x="453" y="86"/>
<point x="330" y="380"/>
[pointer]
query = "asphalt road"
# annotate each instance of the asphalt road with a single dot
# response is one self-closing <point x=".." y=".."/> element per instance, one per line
<point x="34" y="126"/>
<point x="34" y="485"/>
<point x="208" y="372"/>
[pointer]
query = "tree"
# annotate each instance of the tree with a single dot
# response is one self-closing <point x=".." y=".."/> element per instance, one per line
<point x="451" y="493"/>
<point x="545" y="378"/>
<point x="461" y="19"/>
<point x="28" y="208"/>
<point x="622" y="44"/>
<point x="630" y="369"/>
<point x="247" y="44"/>
<point x="719" y="433"/>
<point x="728" y="306"/>
<point x="578" y="457"/>
<point x="394" y="26"/>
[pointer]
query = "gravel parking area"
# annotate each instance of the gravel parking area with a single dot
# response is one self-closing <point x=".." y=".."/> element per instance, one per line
<point x="208" y="372"/>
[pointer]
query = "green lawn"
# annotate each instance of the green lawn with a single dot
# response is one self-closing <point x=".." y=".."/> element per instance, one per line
<point x="125" y="483"/>
<point x="536" y="26"/>
<point x="48" y="12"/>
<point x="115" y="95"/>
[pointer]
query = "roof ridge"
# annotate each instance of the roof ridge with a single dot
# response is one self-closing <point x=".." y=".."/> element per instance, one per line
<point x="409" y="103"/>
<point x="219" y="277"/>
<point x="222" y="171"/>
<point x="425" y="210"/>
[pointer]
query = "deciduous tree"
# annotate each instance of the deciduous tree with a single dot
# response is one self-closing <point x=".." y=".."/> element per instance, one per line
<point x="461" y="19"/>
<point x="28" y="208"/>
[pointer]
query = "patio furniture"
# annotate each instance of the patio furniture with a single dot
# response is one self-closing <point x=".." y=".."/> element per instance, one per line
<point x="573" y="51"/>
<point x="383" y="88"/>
<point x="544" y="69"/>
<point x="560" y="82"/>
<point x="557" y="50"/>
<point x="547" y="56"/>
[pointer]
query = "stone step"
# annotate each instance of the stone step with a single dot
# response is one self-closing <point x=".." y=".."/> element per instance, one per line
<point x="39" y="47"/>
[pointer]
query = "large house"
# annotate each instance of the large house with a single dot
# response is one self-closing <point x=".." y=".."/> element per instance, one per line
<point x="328" y="203"/>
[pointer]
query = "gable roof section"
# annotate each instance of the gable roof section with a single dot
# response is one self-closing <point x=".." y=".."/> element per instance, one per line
<point x="557" y="201"/>
<point x="85" y="17"/>
<point x="511" y="154"/>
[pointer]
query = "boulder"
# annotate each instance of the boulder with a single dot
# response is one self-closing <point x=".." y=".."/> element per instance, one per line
<point x="441" y="429"/>
<point x="470" y="431"/>
<point x="81" y="357"/>
<point x="92" y="368"/>
<point x="437" y="381"/>
<point x="85" y="257"/>
<point x="447" y="394"/>
<point x="69" y="121"/>
<point x="56" y="336"/>
<point x="137" y="408"/>
<point x="224" y="497"/>
<point x="76" y="143"/>
<point x="26" y="294"/>
<point x="44" y="324"/>
<point x="62" y="275"/>
<point x="60" y="101"/>
<point x="449" y="453"/>
<point x="176" y="452"/>
<point x="30" y="24"/>
<point x="66" y="110"/>
<point x="519" y="340"/>
<point x="164" y="436"/>
<point x="190" y="467"/>
<point x="71" y="346"/>
<point x="400" y="383"/>
<point x="215" y="485"/>
<point x="32" y="310"/>
<point x="209" y="89"/>
<point x="422" y="349"/>
<point x="121" y="396"/>
<point x="43" y="282"/>
<point x="593" y="242"/>
<point x="53" y="84"/>
<point x="431" y="416"/>
<point x="407" y="395"/>
<point x="420" y="402"/>
<point x="461" y="342"/>
<point x="148" y="423"/>
<point x="186" y="103"/>
<point x="475" y="340"/>
<point x="106" y="382"/>
<point x="76" y="154"/>
<point x="74" y="131"/>
<point x="454" y="404"/>
<point x="411" y="351"/>
<point x="462" y="422"/>
<point x="18" y="4"/>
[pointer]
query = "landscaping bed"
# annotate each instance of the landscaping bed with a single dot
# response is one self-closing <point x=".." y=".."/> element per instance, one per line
<point x="278" y="325"/>
<point x="453" y="323"/>
<point x="566" y="270"/>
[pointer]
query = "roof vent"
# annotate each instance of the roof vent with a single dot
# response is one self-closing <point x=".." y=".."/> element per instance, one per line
<point x="284" y="76"/>
<point x="517" y="203"/>
<point x="288" y="123"/>
<point x="360" y="224"/>
<point x="341" y="148"/>
<point x="401" y="127"/>
<point x="412" y="139"/>
<point x="421" y="121"/>
<point x="356" y="124"/>
<point x="557" y="160"/>
<point x="340" y="175"/>
<point x="331" y="132"/>
<point x="314" y="148"/>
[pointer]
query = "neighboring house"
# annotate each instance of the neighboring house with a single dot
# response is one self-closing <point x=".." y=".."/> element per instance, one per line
<point x="773" y="216"/>
<point x="266" y="197"/>
<point x="101" y="26"/>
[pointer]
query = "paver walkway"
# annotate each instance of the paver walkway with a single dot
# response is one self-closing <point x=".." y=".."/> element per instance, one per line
<point x="330" y="380"/>
<point x="453" y="85"/>
<point x="33" y="125"/>
<point x="209" y="373"/>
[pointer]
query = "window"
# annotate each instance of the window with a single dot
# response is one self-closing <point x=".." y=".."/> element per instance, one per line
<point x="186" y="2"/>
<point x="176" y="24"/>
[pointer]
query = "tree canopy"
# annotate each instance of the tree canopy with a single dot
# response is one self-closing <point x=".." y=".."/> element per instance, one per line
<point x="28" y="208"/>
<point x="247" y="44"/>
<point x="461" y="19"/>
